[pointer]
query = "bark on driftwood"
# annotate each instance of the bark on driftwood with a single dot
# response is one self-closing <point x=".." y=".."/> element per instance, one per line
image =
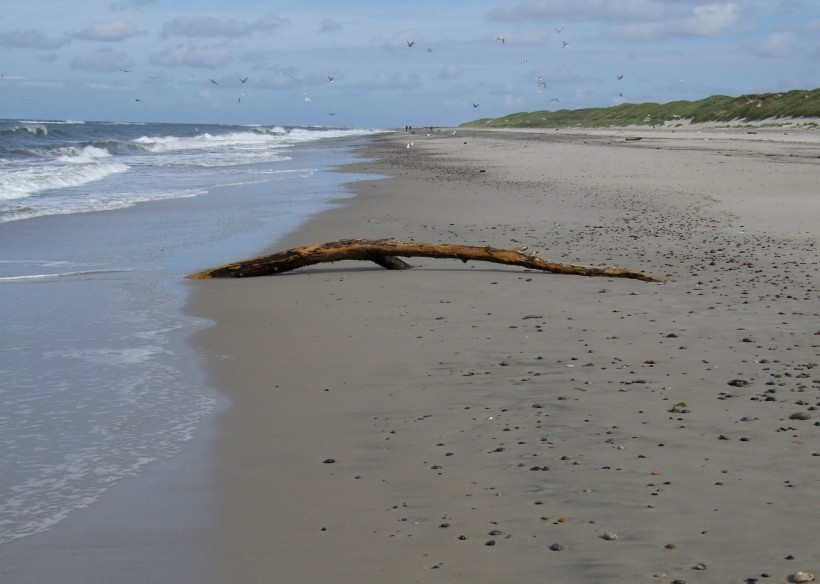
<point x="384" y="252"/>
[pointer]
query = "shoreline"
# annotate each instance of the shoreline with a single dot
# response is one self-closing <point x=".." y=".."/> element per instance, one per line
<point x="464" y="404"/>
<point x="391" y="422"/>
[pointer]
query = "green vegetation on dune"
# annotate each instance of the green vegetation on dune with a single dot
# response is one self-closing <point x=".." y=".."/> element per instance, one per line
<point x="797" y="103"/>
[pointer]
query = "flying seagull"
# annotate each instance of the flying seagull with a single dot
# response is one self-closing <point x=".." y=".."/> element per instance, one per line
<point x="500" y="38"/>
<point x="555" y="99"/>
<point x="564" y="44"/>
<point x="411" y="43"/>
<point x="541" y="82"/>
<point x="243" y="79"/>
<point x="620" y="77"/>
<point x="559" y="30"/>
<point x="214" y="82"/>
<point x="476" y="104"/>
<point x="329" y="78"/>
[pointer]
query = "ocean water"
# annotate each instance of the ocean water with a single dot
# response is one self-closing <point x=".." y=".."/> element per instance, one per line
<point x="99" y="222"/>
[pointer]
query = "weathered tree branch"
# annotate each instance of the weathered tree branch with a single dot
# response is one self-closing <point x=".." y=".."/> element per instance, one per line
<point x="384" y="252"/>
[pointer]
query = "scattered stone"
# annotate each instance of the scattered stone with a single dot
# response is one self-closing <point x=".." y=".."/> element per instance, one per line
<point x="800" y="416"/>
<point x="490" y="542"/>
<point x="329" y="460"/>
<point x="798" y="577"/>
<point x="700" y="566"/>
<point x="556" y="547"/>
<point x="739" y="382"/>
<point x="609" y="536"/>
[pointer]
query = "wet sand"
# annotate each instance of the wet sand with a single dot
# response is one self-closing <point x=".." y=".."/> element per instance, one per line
<point x="469" y="422"/>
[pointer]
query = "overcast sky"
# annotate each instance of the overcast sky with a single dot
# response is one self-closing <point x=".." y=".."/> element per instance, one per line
<point x="351" y="64"/>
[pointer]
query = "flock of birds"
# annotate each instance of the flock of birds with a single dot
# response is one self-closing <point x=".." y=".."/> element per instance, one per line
<point x="541" y="82"/>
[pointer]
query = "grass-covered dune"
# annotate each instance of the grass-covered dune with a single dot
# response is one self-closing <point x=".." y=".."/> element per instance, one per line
<point x="798" y="103"/>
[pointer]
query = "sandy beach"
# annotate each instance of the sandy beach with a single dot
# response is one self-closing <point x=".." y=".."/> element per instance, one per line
<point x="480" y="423"/>
<point x="468" y="422"/>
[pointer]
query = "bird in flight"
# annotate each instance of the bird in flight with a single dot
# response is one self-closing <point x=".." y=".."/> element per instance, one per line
<point x="476" y="104"/>
<point x="330" y="78"/>
<point x="214" y="82"/>
<point x="541" y="82"/>
<point x="500" y="38"/>
<point x="620" y="77"/>
<point x="243" y="79"/>
<point x="564" y="44"/>
<point x="411" y="43"/>
<point x="555" y="99"/>
<point x="559" y="30"/>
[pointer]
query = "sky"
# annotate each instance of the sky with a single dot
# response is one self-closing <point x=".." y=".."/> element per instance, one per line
<point x="388" y="63"/>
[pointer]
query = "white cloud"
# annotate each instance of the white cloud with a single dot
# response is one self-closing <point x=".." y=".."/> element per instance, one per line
<point x="581" y="11"/>
<point x="709" y="20"/>
<point x="204" y="25"/>
<point x="102" y="60"/>
<point x="330" y="25"/>
<point x="31" y="39"/>
<point x="778" y="44"/>
<point x="183" y="55"/>
<point x="630" y="19"/>
<point x="116" y="30"/>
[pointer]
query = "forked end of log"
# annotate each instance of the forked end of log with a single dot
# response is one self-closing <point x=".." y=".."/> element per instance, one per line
<point x="385" y="252"/>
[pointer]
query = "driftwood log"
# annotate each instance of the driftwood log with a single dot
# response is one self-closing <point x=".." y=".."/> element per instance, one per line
<point x="385" y="252"/>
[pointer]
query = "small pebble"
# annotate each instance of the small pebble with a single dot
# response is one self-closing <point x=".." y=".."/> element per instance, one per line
<point x="609" y="536"/>
<point x="556" y="547"/>
<point x="329" y="460"/>
<point x="700" y="566"/>
<point x="798" y="577"/>
<point x="490" y="542"/>
<point x="800" y="416"/>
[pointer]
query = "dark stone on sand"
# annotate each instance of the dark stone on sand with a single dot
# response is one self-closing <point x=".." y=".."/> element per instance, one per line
<point x="556" y="547"/>
<point x="800" y="416"/>
<point x="329" y="460"/>
<point x="490" y="542"/>
<point x="738" y="382"/>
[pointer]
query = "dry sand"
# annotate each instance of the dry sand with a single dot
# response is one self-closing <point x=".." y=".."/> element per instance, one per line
<point x="476" y="423"/>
